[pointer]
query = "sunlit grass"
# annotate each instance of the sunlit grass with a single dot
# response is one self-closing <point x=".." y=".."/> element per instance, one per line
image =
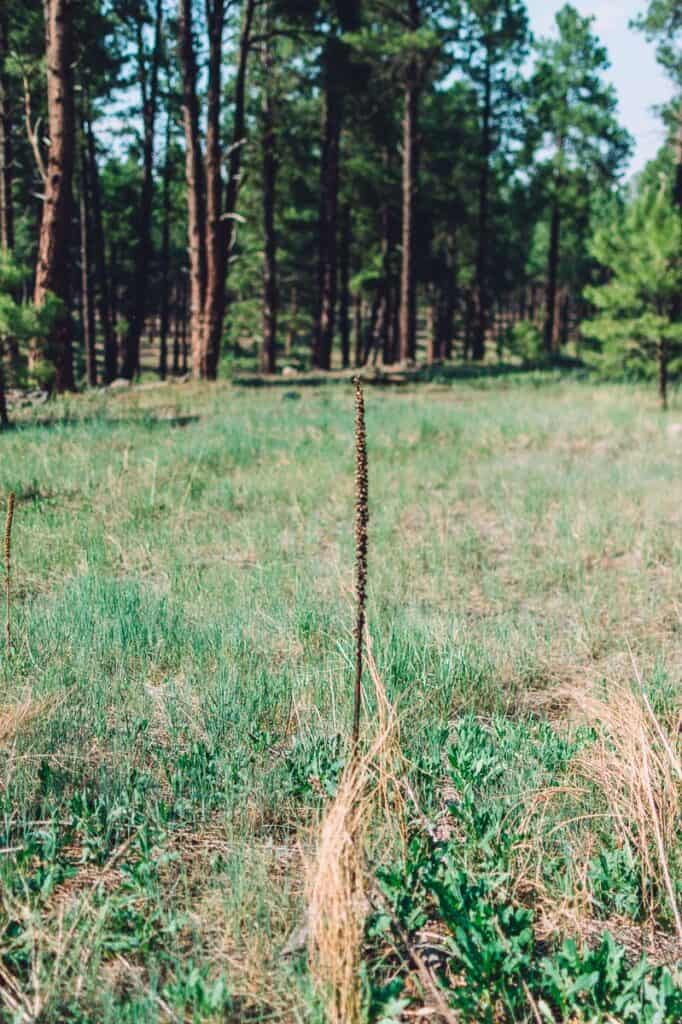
<point x="183" y="619"/>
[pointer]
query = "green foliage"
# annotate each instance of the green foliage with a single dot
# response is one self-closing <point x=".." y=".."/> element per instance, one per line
<point x="524" y="340"/>
<point x="17" y="319"/>
<point x="491" y="962"/>
<point x="636" y="307"/>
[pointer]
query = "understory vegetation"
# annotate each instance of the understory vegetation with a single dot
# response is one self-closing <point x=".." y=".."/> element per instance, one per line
<point x="176" y="705"/>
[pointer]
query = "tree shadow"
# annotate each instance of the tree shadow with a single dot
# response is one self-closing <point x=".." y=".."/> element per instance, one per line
<point x="563" y="366"/>
<point x="67" y="422"/>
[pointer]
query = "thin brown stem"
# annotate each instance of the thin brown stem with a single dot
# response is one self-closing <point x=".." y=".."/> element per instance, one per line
<point x="361" y="524"/>
<point x="8" y="566"/>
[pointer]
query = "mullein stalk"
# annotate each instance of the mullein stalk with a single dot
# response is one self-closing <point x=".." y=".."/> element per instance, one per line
<point x="361" y="524"/>
<point x="8" y="566"/>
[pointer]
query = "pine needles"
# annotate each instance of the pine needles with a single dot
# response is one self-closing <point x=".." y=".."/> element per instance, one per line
<point x="361" y="539"/>
<point x="8" y="568"/>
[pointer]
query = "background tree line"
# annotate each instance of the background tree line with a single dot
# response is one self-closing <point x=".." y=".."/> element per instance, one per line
<point x="327" y="181"/>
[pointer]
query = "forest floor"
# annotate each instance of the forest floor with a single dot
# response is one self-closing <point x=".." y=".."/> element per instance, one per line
<point x="174" y="708"/>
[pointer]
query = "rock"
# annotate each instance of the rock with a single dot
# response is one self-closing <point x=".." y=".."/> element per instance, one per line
<point x="120" y="384"/>
<point x="289" y="371"/>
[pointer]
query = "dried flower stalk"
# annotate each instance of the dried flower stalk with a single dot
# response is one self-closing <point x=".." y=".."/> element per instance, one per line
<point x="361" y="524"/>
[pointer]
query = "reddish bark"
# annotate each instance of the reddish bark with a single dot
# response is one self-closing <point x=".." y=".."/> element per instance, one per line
<point x="196" y="190"/>
<point x="323" y="333"/>
<point x="6" y="205"/>
<point x="53" y="263"/>
<point x="100" y="265"/>
<point x="216" y="310"/>
<point x="268" y="356"/>
<point x="408" y="299"/>
<point x="149" y="86"/>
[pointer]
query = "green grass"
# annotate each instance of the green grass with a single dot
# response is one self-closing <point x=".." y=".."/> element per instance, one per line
<point x="183" y="626"/>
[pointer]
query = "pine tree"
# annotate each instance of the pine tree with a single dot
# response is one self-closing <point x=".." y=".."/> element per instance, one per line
<point x="636" y="322"/>
<point x="574" y="114"/>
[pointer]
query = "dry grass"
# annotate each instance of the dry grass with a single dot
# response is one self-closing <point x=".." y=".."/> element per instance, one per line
<point x="14" y="718"/>
<point x="369" y="794"/>
<point x="635" y="763"/>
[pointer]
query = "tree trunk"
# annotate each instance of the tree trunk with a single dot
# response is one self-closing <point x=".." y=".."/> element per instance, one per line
<point x="357" y="331"/>
<point x="678" y="162"/>
<point x="87" y="294"/>
<point x="323" y="334"/>
<point x="344" y="281"/>
<point x="149" y="85"/>
<point x="4" y="418"/>
<point x="165" y="258"/>
<point x="482" y="299"/>
<point x="432" y="338"/>
<point x="214" y="319"/>
<point x="663" y="374"/>
<point x="214" y="309"/>
<point x="551" y="319"/>
<point x="184" y="316"/>
<point x="6" y="168"/>
<point x="52" y="267"/>
<point x="113" y="269"/>
<point x="389" y="352"/>
<point x="292" y="329"/>
<point x="196" y="185"/>
<point x="408" y="299"/>
<point x="100" y="264"/>
<point x="268" y="355"/>
<point x="177" y="319"/>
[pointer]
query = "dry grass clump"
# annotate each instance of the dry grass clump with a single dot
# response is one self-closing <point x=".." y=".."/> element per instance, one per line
<point x="369" y="795"/>
<point x="15" y="717"/>
<point x="635" y="763"/>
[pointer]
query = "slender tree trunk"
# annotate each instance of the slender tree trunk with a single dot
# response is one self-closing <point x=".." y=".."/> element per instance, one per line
<point x="149" y="85"/>
<point x="177" y="320"/>
<point x="113" y="269"/>
<point x="184" y="319"/>
<point x="196" y="186"/>
<point x="4" y="417"/>
<point x="100" y="264"/>
<point x="6" y="175"/>
<point x="371" y="346"/>
<point x="447" y="302"/>
<point x="344" y="282"/>
<point x="551" y="319"/>
<point x="87" y="293"/>
<point x="52" y="269"/>
<point x="293" y="316"/>
<point x="215" y="317"/>
<point x="663" y="373"/>
<point x="6" y="158"/>
<point x="408" y="298"/>
<point x="678" y="161"/>
<point x="482" y="299"/>
<point x="432" y="339"/>
<point x="214" y="309"/>
<point x="165" y="258"/>
<point x="389" y="353"/>
<point x="357" y="331"/>
<point x="323" y="335"/>
<point x="268" y="355"/>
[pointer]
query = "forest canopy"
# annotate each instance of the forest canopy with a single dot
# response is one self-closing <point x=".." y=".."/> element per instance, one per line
<point x="188" y="186"/>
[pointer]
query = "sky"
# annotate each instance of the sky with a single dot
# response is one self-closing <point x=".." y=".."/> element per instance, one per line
<point x="640" y="83"/>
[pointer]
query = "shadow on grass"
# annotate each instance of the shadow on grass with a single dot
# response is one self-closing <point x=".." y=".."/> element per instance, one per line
<point x="68" y="422"/>
<point x="563" y="366"/>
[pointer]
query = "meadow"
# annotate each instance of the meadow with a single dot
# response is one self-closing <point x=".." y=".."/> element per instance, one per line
<point x="175" y="707"/>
